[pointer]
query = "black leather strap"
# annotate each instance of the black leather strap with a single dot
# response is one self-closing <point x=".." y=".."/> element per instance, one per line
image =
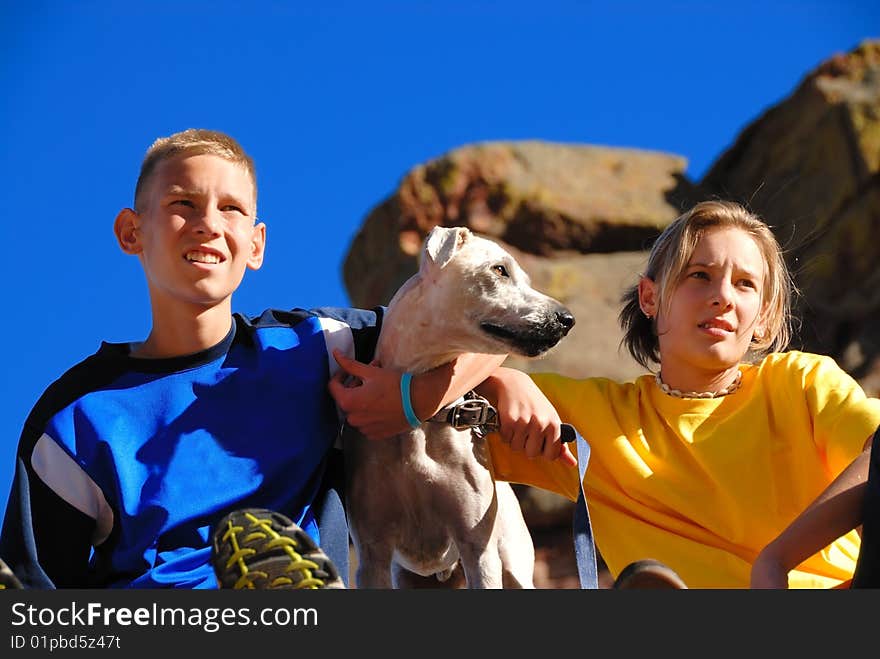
<point x="473" y="412"/>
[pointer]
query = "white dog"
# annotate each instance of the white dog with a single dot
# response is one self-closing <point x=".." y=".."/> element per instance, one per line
<point x="423" y="500"/>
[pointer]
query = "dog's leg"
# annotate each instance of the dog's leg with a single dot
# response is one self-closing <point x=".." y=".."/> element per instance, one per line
<point x="517" y="575"/>
<point x="374" y="567"/>
<point x="515" y="546"/>
<point x="482" y="564"/>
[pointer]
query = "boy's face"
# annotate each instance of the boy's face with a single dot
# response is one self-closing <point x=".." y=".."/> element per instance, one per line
<point x="196" y="232"/>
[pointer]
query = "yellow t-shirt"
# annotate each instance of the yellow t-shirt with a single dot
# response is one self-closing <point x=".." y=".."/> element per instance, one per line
<point x="704" y="484"/>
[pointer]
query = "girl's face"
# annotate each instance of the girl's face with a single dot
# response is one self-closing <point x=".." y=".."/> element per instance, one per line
<point x="716" y="307"/>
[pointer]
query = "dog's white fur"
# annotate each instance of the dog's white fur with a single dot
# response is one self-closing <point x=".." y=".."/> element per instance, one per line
<point x="423" y="500"/>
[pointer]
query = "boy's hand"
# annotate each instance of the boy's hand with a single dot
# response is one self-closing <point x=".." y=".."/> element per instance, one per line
<point x="528" y="421"/>
<point x="372" y="402"/>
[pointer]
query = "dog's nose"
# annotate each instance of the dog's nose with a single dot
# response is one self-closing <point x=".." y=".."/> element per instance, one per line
<point x="564" y="317"/>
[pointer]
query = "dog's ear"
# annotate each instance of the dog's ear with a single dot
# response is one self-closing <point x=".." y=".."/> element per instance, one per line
<point x="443" y="242"/>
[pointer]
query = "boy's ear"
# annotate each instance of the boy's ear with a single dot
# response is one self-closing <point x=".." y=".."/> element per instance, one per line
<point x="126" y="229"/>
<point x="258" y="246"/>
<point x="648" y="296"/>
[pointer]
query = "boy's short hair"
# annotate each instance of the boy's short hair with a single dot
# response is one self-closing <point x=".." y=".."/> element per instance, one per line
<point x="192" y="142"/>
<point x="668" y="260"/>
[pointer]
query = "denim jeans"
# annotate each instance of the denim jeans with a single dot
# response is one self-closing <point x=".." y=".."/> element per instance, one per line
<point x="867" y="574"/>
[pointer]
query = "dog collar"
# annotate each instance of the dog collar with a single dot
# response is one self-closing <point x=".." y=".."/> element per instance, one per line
<point x="470" y="411"/>
<point x="475" y="412"/>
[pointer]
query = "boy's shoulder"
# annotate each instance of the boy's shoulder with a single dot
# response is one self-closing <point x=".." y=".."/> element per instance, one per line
<point x="353" y="331"/>
<point x="353" y="317"/>
<point x="93" y="372"/>
<point x="113" y="361"/>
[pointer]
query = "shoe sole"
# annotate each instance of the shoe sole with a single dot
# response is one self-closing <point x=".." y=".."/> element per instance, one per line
<point x="8" y="581"/>
<point x="258" y="549"/>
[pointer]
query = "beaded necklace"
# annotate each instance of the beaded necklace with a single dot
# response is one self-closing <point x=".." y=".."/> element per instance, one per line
<point x="675" y="393"/>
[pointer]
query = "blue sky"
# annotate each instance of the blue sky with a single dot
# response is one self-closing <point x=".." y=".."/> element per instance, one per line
<point x="335" y="104"/>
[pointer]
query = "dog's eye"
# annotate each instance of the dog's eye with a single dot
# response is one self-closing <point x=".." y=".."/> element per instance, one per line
<point x="500" y="270"/>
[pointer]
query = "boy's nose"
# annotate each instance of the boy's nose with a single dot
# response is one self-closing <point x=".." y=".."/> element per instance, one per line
<point x="208" y="222"/>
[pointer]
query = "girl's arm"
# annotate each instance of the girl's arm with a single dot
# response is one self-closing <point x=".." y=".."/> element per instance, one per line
<point x="835" y="512"/>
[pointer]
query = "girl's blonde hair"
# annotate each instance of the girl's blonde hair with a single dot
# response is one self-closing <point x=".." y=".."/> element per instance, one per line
<point x="192" y="142"/>
<point x="669" y="257"/>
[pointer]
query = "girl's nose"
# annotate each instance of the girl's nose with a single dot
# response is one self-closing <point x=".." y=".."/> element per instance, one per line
<point x="722" y="295"/>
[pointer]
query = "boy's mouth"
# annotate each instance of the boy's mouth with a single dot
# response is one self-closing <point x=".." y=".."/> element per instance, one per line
<point x="198" y="256"/>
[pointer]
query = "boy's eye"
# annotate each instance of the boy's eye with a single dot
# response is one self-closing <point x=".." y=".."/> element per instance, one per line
<point x="183" y="202"/>
<point x="233" y="208"/>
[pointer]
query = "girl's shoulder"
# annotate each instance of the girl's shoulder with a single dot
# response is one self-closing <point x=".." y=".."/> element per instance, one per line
<point x="795" y="360"/>
<point x="805" y="368"/>
<point x="591" y="386"/>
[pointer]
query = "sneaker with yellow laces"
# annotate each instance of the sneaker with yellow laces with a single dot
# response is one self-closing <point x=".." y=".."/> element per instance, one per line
<point x="260" y="549"/>
<point x="8" y="581"/>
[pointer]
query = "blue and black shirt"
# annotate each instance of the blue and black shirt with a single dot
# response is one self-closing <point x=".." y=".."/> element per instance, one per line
<point x="125" y="464"/>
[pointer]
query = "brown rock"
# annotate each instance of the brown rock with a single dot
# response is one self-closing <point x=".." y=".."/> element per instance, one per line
<point x="591" y="286"/>
<point x="542" y="198"/>
<point x="811" y="167"/>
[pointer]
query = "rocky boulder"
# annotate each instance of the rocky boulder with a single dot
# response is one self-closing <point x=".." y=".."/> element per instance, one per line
<point x="810" y="166"/>
<point x="578" y="219"/>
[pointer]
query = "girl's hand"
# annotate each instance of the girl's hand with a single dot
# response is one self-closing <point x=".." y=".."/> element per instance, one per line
<point x="528" y="421"/>
<point x="768" y="571"/>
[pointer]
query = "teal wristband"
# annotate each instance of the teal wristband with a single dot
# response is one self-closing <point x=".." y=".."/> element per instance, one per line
<point x="408" y="412"/>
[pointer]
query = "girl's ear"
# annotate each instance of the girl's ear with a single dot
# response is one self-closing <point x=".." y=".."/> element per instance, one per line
<point x="126" y="227"/>
<point x="760" y="331"/>
<point x="649" y="296"/>
<point x="258" y="246"/>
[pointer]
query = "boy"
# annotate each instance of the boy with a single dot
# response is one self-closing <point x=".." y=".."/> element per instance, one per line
<point x="130" y="459"/>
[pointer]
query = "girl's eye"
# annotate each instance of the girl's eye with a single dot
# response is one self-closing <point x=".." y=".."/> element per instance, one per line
<point x="699" y="274"/>
<point x="500" y="270"/>
<point x="748" y="283"/>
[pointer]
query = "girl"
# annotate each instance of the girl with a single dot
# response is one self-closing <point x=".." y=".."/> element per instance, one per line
<point x="702" y="463"/>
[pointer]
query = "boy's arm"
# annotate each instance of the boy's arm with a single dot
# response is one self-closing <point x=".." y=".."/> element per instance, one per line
<point x="44" y="540"/>
<point x="835" y="512"/>
<point x="375" y="408"/>
<point x="527" y="419"/>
